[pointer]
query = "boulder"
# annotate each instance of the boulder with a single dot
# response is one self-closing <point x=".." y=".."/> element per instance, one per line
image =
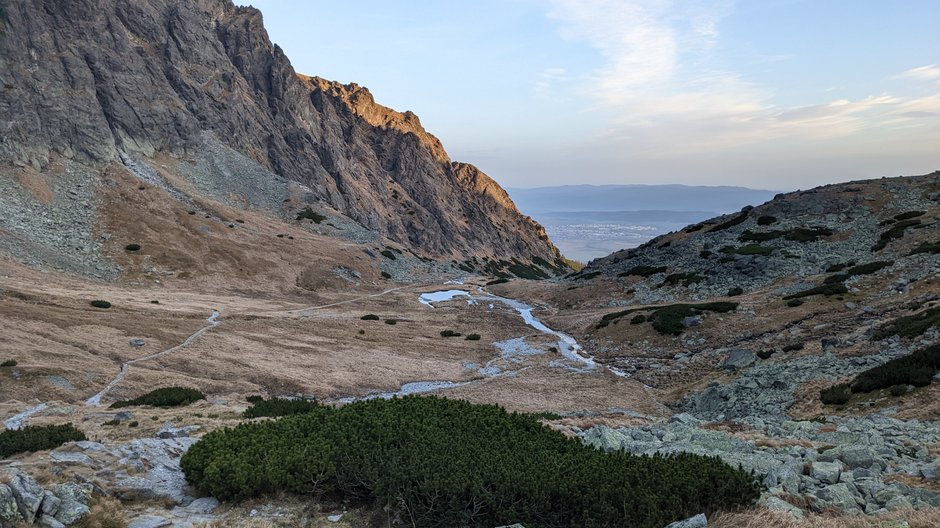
<point x="739" y="358"/>
<point x="826" y="472"/>
<point x="168" y="431"/>
<point x="28" y="494"/>
<point x="50" y="522"/>
<point x="699" y="521"/>
<point x="839" y="496"/>
<point x="149" y="521"/>
<point x="9" y="512"/>
<point x="137" y="342"/>
<point x="75" y="499"/>
<point x="776" y="504"/>
<point x="50" y="504"/>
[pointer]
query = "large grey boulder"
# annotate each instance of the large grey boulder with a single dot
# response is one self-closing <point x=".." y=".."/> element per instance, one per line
<point x="826" y="472"/>
<point x="605" y="438"/>
<point x="50" y="504"/>
<point x="839" y="496"/>
<point x="776" y="504"/>
<point x="75" y="499"/>
<point x="9" y="512"/>
<point x="739" y="358"/>
<point x="149" y="521"/>
<point x="28" y="494"/>
<point x="699" y="521"/>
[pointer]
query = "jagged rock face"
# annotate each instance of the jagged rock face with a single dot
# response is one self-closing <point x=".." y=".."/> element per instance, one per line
<point x="89" y="79"/>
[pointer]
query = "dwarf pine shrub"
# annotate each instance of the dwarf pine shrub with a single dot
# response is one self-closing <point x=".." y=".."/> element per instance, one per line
<point x="440" y="462"/>
<point x="37" y="438"/>
<point x="164" y="397"/>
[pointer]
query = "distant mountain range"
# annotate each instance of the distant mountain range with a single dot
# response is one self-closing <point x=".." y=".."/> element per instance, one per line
<point x="584" y="198"/>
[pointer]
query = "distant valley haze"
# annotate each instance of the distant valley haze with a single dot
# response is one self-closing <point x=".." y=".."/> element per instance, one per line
<point x="591" y="221"/>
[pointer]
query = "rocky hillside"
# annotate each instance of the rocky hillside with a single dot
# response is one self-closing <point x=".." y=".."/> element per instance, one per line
<point x="93" y="82"/>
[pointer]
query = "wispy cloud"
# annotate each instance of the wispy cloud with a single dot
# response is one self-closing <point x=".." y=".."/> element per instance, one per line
<point x="661" y="88"/>
<point x="928" y="72"/>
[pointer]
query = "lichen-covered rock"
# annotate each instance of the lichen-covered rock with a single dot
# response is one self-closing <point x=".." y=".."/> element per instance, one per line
<point x="9" y="512"/>
<point x="28" y="494"/>
<point x="75" y="498"/>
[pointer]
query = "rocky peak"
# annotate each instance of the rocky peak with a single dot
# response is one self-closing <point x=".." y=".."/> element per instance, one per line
<point x="91" y="79"/>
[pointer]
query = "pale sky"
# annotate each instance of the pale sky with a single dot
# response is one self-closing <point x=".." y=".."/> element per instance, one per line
<point x="777" y="94"/>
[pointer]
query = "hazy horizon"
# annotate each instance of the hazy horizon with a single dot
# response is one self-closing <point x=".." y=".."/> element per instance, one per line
<point x="778" y="94"/>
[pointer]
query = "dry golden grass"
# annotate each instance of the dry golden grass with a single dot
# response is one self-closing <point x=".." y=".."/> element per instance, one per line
<point x="106" y="512"/>
<point x="925" y="518"/>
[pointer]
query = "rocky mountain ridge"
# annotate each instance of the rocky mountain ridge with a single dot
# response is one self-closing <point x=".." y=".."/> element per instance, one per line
<point x="95" y="81"/>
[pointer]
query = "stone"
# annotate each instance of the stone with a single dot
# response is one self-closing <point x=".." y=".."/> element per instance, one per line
<point x="839" y="496"/>
<point x="9" y="512"/>
<point x="28" y="494"/>
<point x="691" y="321"/>
<point x="168" y="431"/>
<point x="50" y="522"/>
<point x="603" y="437"/>
<point x="777" y="504"/>
<point x="826" y="472"/>
<point x="149" y="521"/>
<point x="698" y="521"/>
<point x="137" y="342"/>
<point x="124" y="416"/>
<point x="76" y="498"/>
<point x="50" y="504"/>
<point x="739" y="358"/>
<point x="202" y="505"/>
<point x="69" y="457"/>
<point x="899" y="502"/>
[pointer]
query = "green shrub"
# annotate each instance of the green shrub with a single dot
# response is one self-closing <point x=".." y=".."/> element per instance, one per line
<point x="734" y="292"/>
<point x="910" y="214"/>
<point x="765" y="354"/>
<point x="532" y="272"/>
<point x="895" y="232"/>
<point x="638" y="319"/>
<point x="668" y="319"/>
<point x="824" y="289"/>
<point x="861" y="269"/>
<point x="310" y="214"/>
<point x="386" y="275"/>
<point x="164" y="397"/>
<point x="472" y="337"/>
<point x="37" y="438"/>
<point x="835" y="395"/>
<point x="643" y="271"/>
<point x="793" y="347"/>
<point x="916" y="369"/>
<point x="839" y="267"/>
<point x="449" y="333"/>
<point x="460" y="464"/>
<point x="132" y="247"/>
<point x="112" y="423"/>
<point x="100" y="304"/>
<point x="898" y="390"/>
<point x="693" y="228"/>
<point x="927" y="247"/>
<point x="134" y="423"/>
<point x="389" y="254"/>
<point x="9" y="363"/>
<point x="909" y="325"/>
<point x="280" y="407"/>
<point x="807" y="235"/>
<point x="370" y="317"/>
<point x="494" y="282"/>
<point x="686" y="279"/>
<point x="704" y="253"/>
<point x="766" y="220"/>
<point x="793" y="303"/>
<point x="741" y="217"/>
<point x="750" y="250"/>
<point x="587" y="276"/>
<point x="391" y="321"/>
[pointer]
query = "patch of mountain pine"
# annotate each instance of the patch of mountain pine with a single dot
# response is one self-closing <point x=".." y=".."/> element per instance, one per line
<point x="439" y="462"/>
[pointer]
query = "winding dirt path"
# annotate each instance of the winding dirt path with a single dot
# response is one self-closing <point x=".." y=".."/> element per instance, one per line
<point x="96" y="399"/>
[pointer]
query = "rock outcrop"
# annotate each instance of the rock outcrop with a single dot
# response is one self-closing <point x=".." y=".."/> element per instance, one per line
<point x="95" y="81"/>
